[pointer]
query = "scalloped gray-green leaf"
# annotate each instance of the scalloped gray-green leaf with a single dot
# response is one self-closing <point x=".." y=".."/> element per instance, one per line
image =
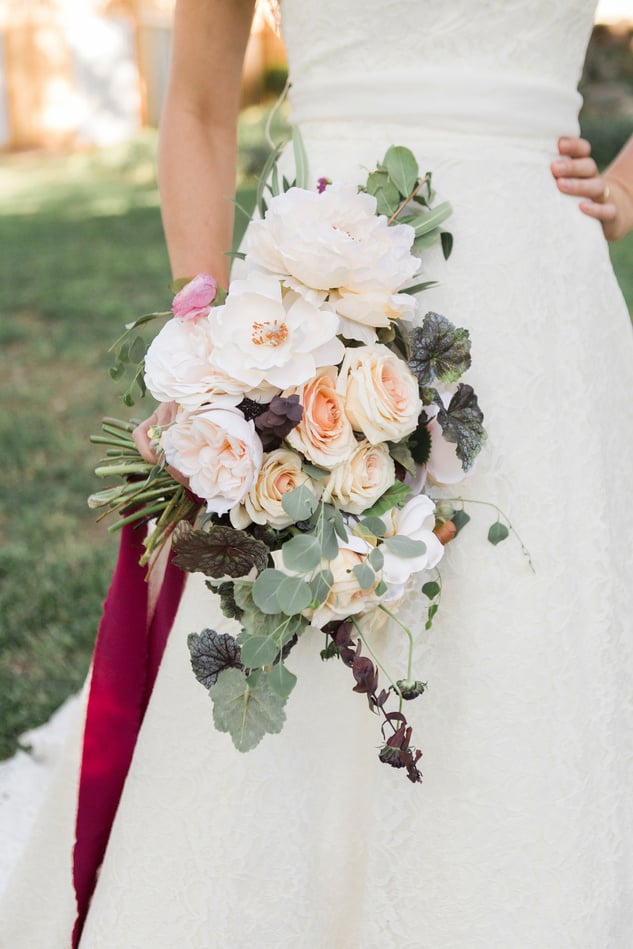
<point x="439" y="350"/>
<point x="246" y="710"/>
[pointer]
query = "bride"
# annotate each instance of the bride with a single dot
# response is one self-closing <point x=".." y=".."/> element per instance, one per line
<point x="522" y="831"/>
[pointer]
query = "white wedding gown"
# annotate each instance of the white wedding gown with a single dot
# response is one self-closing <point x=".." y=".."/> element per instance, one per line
<point x="521" y="833"/>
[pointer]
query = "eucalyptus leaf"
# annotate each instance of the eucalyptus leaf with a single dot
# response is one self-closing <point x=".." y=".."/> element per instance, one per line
<point x="137" y="350"/>
<point x="302" y="553"/>
<point x="257" y="651"/>
<point x="375" y="559"/>
<point x="431" y="589"/>
<point x="264" y="590"/>
<point x="374" y="525"/>
<point x="300" y="503"/>
<point x="218" y="552"/>
<point x="320" y="586"/>
<point x="301" y="159"/>
<point x="432" y="219"/>
<point x="419" y="287"/>
<point x="281" y="680"/>
<point x="446" y="239"/>
<point x="402" y="546"/>
<point x="460" y="519"/>
<point x="246" y="709"/>
<point x="439" y="350"/>
<point x="402" y="168"/>
<point x="395" y="495"/>
<point x="365" y="575"/>
<point x="386" y="193"/>
<point x="317" y="474"/>
<point x="211" y="653"/>
<point x="497" y="533"/>
<point x="293" y="595"/>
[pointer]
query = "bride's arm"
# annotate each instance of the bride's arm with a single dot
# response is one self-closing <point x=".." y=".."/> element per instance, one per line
<point x="198" y="134"/>
<point x="198" y="146"/>
<point x="607" y="197"/>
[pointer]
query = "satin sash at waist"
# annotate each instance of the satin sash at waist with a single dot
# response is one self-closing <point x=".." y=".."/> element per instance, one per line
<point x="461" y="102"/>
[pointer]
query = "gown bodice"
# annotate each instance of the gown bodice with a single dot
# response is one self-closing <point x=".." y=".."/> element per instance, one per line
<point x="502" y="67"/>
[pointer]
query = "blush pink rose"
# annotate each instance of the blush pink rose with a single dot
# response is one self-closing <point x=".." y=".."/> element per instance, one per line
<point x="324" y="434"/>
<point x="195" y="298"/>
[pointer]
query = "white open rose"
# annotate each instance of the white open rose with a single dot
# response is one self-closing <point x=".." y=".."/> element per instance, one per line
<point x="334" y="241"/>
<point x="416" y="521"/>
<point x="381" y="394"/>
<point x="178" y="367"/>
<point x="361" y="479"/>
<point x="220" y="453"/>
<point x="280" y="472"/>
<point x="262" y="336"/>
<point x="324" y="434"/>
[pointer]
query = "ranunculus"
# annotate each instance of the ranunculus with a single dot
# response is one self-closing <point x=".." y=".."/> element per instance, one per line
<point x="443" y="465"/>
<point x="195" y="298"/>
<point x="178" y="367"/>
<point x="324" y="434"/>
<point x="220" y="453"/>
<point x="361" y="479"/>
<point x="415" y="520"/>
<point x="334" y="241"/>
<point x="381" y="394"/>
<point x="346" y="596"/>
<point x="262" y="336"/>
<point x="280" y="472"/>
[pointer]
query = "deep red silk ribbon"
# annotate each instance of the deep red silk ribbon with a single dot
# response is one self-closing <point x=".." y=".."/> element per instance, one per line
<point x="127" y="655"/>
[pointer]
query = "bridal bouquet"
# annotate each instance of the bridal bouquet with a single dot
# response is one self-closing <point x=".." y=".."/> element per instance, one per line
<point x="314" y="415"/>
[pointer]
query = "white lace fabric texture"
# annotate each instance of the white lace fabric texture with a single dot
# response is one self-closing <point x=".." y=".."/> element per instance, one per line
<point x="522" y="831"/>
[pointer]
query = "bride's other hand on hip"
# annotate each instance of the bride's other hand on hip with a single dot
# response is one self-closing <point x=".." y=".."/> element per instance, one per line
<point x="608" y="197"/>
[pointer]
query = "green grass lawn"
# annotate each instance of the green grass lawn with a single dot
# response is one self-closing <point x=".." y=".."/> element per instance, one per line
<point x="82" y="252"/>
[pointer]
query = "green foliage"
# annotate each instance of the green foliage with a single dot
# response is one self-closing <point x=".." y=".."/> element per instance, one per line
<point x="397" y="494"/>
<point x="462" y="424"/>
<point x="246" y="708"/>
<point x="497" y="533"/>
<point x="211" y="653"/>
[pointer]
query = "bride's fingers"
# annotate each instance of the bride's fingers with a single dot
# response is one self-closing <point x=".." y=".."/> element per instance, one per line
<point x="592" y="188"/>
<point x="574" y="147"/>
<point x="143" y="441"/>
<point x="602" y="210"/>
<point x="574" y="168"/>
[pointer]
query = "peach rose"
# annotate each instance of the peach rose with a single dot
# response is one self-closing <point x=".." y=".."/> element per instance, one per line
<point x="382" y="398"/>
<point x="280" y="472"/>
<point x="324" y="434"/>
<point x="361" y="479"/>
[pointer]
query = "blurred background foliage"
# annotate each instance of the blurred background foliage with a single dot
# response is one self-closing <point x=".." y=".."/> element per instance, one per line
<point x="83" y="252"/>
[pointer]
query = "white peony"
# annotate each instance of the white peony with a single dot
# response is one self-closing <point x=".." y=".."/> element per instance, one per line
<point x="262" y="336"/>
<point x="415" y="520"/>
<point x="334" y="241"/>
<point x="361" y="479"/>
<point x="381" y="394"/>
<point x="219" y="451"/>
<point x="178" y="367"/>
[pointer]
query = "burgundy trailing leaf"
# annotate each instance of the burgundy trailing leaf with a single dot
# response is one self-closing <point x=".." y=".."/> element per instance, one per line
<point x="211" y="653"/>
<point x="282" y="415"/>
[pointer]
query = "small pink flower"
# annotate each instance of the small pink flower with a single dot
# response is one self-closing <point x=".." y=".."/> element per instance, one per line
<point x="195" y="298"/>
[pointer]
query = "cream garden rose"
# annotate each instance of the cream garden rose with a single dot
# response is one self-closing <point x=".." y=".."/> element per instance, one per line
<point x="381" y="394"/>
<point x="219" y="451"/>
<point x="280" y="472"/>
<point x="361" y="479"/>
<point x="324" y="434"/>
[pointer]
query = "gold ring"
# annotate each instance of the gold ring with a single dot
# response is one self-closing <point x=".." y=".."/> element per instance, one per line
<point x="605" y="194"/>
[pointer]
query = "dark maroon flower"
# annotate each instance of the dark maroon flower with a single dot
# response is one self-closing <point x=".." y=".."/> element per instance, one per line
<point x="282" y="415"/>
